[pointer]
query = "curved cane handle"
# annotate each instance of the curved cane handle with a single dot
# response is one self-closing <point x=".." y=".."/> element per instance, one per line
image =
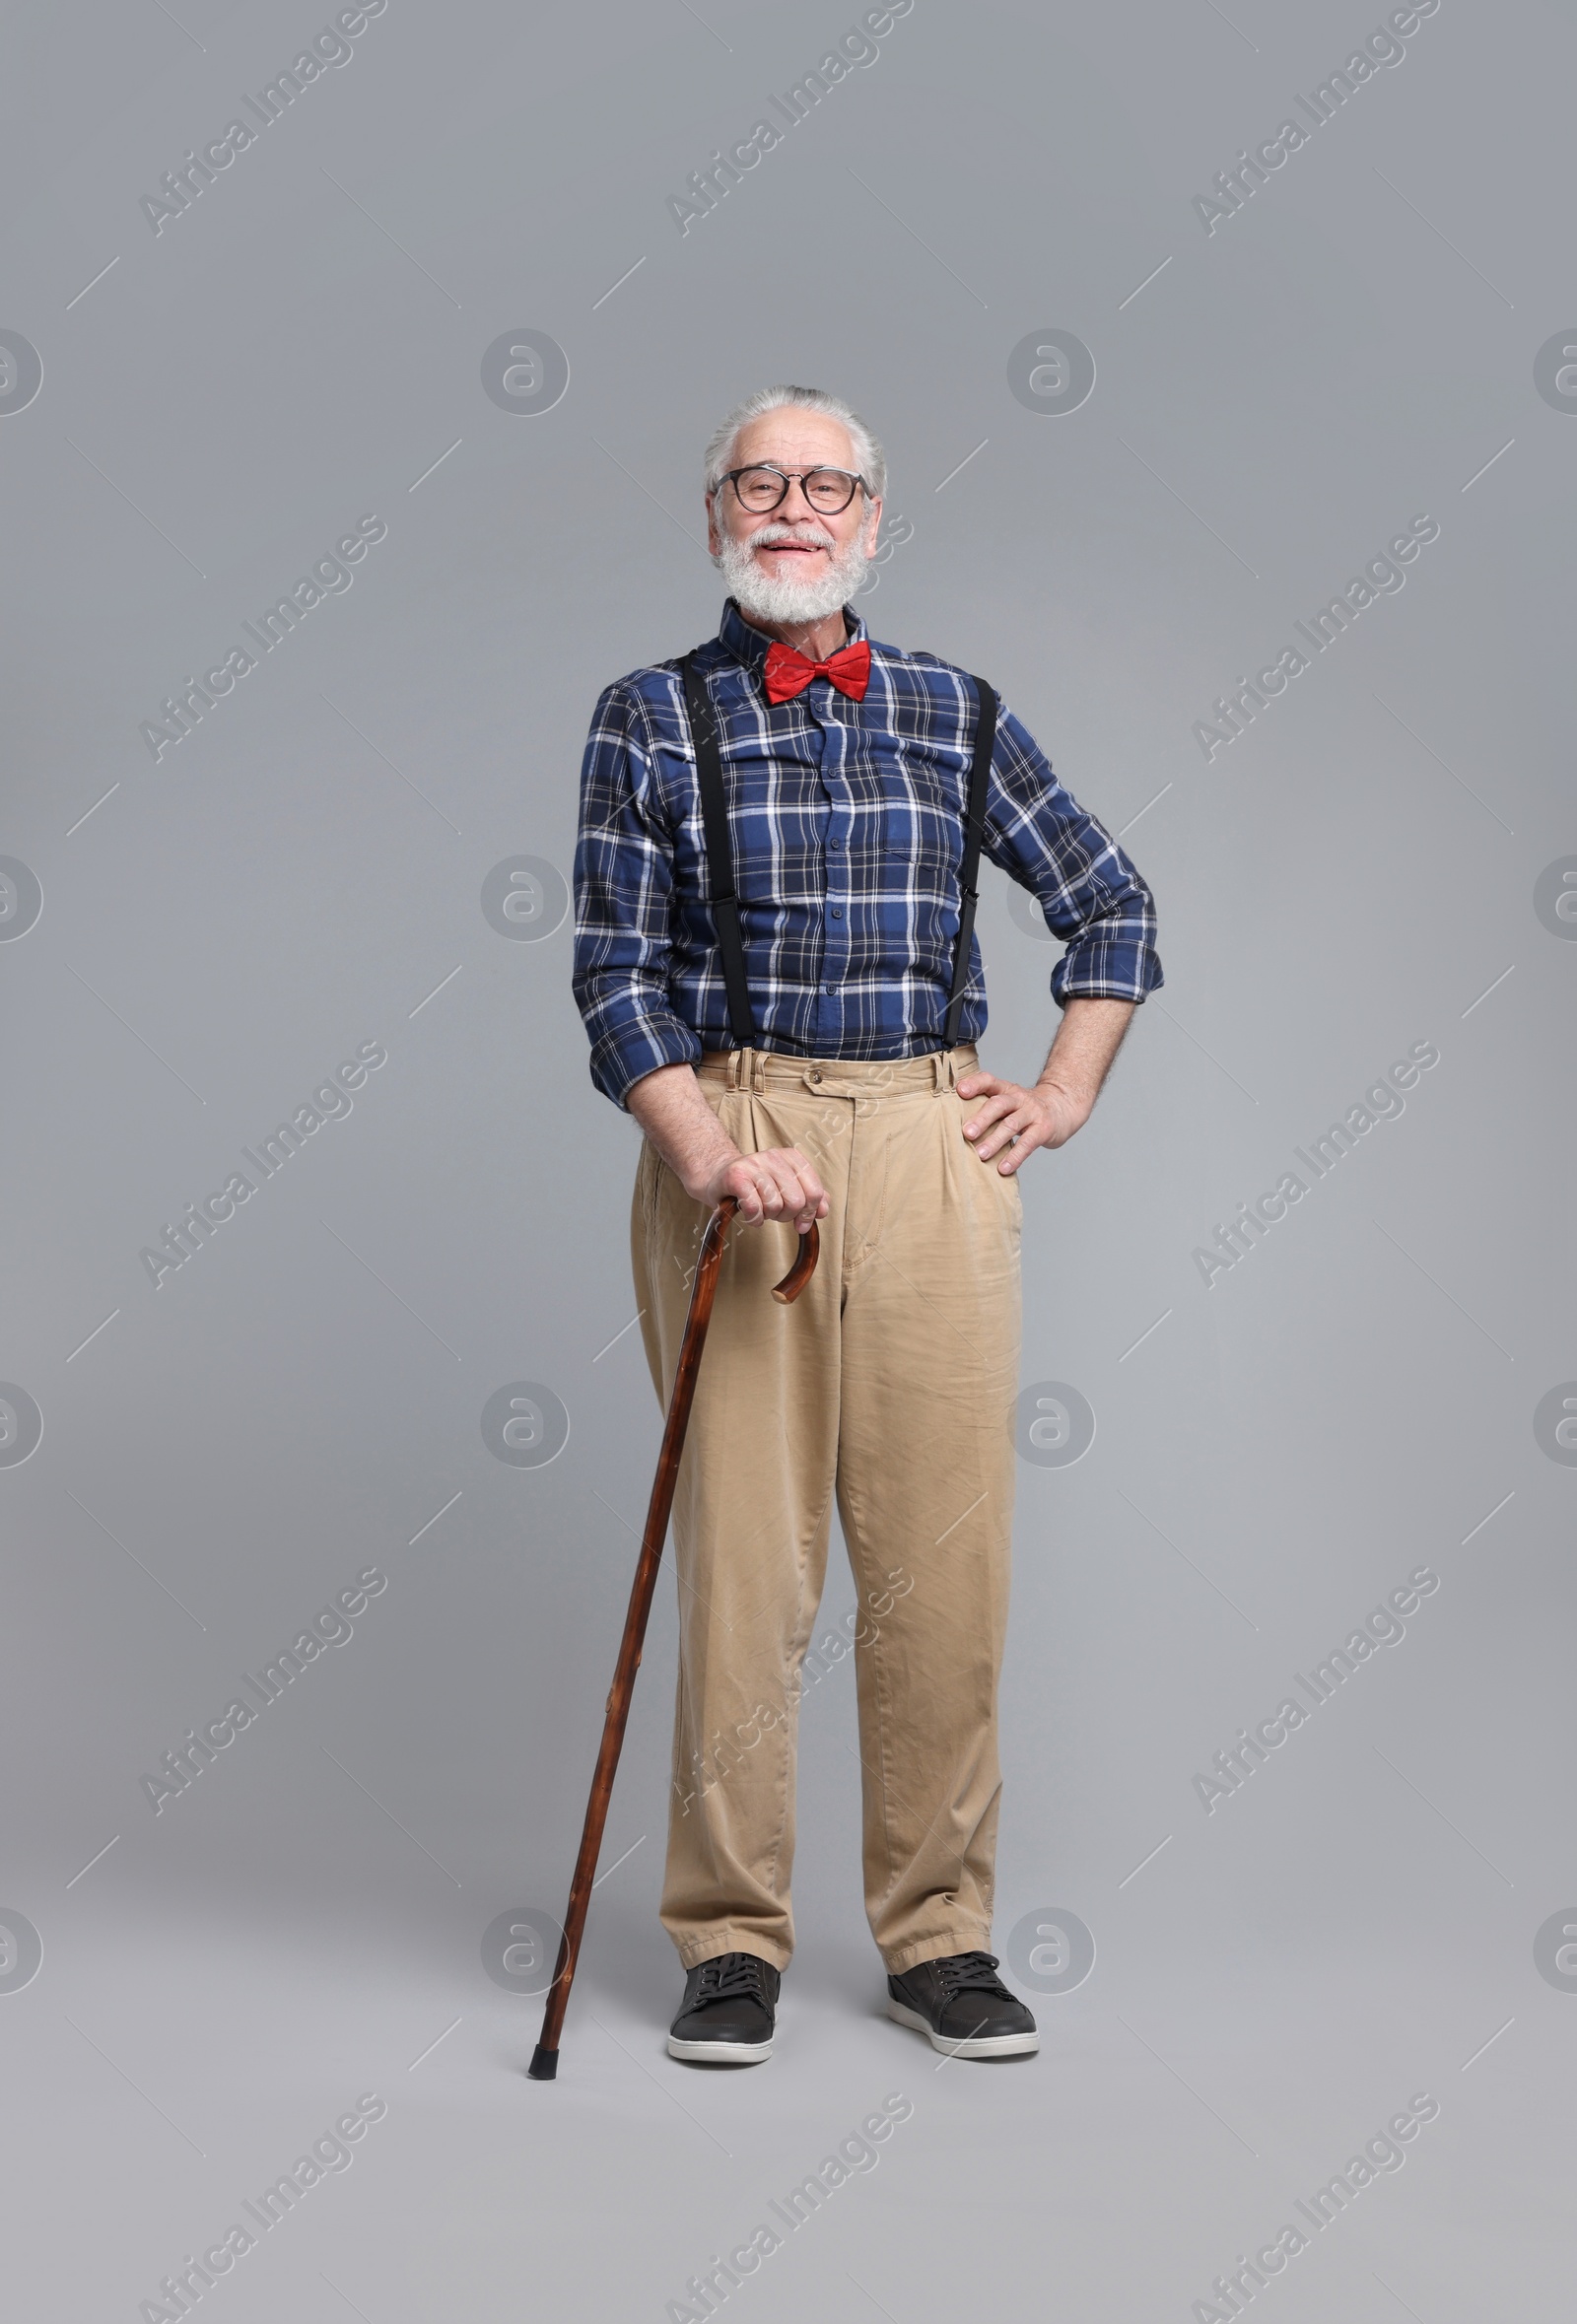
<point x="805" y="1267"/>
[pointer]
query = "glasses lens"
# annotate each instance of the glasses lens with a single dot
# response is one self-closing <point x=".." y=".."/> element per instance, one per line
<point x="830" y="489"/>
<point x="760" y="488"/>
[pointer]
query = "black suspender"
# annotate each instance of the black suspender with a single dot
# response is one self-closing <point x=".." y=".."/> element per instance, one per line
<point x="974" y="826"/>
<point x="719" y="851"/>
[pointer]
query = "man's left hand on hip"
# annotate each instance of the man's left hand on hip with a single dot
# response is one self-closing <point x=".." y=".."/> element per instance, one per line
<point x="1014" y="1121"/>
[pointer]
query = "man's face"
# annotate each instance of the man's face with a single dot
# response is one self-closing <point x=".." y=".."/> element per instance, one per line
<point x="793" y="561"/>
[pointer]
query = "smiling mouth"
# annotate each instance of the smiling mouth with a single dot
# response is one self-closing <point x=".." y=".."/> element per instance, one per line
<point x="791" y="549"/>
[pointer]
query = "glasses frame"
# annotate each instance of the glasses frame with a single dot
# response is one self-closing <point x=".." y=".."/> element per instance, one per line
<point x="794" y="476"/>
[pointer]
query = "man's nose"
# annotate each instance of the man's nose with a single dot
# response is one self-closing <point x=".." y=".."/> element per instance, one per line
<point x="785" y="507"/>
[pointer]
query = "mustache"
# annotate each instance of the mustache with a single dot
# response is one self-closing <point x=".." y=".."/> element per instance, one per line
<point x="806" y="536"/>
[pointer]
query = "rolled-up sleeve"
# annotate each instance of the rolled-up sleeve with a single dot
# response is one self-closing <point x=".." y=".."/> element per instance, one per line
<point x="1091" y="893"/>
<point x="624" y="907"/>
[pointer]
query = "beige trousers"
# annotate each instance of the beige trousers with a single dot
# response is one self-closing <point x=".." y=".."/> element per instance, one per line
<point x="891" y="1381"/>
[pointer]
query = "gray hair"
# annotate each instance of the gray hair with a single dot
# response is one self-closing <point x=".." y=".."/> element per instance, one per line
<point x="872" y="459"/>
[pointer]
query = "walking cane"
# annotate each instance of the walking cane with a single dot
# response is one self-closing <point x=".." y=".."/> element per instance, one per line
<point x="544" y="2064"/>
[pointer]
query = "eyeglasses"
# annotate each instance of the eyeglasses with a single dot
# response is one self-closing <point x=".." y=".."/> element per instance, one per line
<point x="828" y="490"/>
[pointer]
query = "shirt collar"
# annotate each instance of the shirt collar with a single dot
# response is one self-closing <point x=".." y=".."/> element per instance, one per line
<point x="750" y="645"/>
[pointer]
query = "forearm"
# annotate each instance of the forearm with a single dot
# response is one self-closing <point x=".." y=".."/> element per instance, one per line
<point x="1080" y="1057"/>
<point x="670" y="1108"/>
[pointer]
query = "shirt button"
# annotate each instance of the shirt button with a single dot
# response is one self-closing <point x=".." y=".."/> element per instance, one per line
<point x="837" y="912"/>
<point x="829" y="988"/>
<point x="834" y="845"/>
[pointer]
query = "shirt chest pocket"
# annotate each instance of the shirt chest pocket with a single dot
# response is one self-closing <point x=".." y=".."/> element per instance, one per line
<point x="921" y="821"/>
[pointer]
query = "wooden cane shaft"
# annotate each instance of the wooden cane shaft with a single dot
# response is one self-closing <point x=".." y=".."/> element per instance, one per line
<point x="702" y="1292"/>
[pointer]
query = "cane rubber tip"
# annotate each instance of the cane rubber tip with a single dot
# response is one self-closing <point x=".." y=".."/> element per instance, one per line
<point x="544" y="2066"/>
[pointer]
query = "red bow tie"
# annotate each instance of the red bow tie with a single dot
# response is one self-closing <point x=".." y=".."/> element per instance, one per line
<point x="789" y="672"/>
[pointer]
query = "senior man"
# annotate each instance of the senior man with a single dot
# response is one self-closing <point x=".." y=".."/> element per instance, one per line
<point x="774" y="959"/>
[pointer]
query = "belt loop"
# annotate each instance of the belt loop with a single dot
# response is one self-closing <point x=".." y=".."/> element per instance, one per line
<point x="733" y="1068"/>
<point x="758" y="1071"/>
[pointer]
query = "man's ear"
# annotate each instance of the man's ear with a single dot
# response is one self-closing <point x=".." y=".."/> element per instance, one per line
<point x="872" y="521"/>
<point x="714" y="542"/>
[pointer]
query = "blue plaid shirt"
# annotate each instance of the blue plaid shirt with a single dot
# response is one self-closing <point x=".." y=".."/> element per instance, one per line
<point x="848" y="828"/>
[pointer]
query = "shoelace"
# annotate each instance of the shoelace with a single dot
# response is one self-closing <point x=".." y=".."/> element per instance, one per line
<point x="971" y="1972"/>
<point x="731" y="1973"/>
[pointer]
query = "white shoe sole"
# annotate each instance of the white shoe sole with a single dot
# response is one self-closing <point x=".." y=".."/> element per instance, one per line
<point x="996" y="2045"/>
<point x="720" y="2053"/>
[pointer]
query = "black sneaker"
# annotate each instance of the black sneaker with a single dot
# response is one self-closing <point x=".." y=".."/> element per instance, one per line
<point x="964" y="2007"/>
<point x="727" y="2014"/>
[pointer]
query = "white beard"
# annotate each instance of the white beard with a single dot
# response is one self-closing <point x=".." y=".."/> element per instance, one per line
<point x="786" y="601"/>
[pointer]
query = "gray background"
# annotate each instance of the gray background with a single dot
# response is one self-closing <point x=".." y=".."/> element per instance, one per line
<point x="304" y="874"/>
